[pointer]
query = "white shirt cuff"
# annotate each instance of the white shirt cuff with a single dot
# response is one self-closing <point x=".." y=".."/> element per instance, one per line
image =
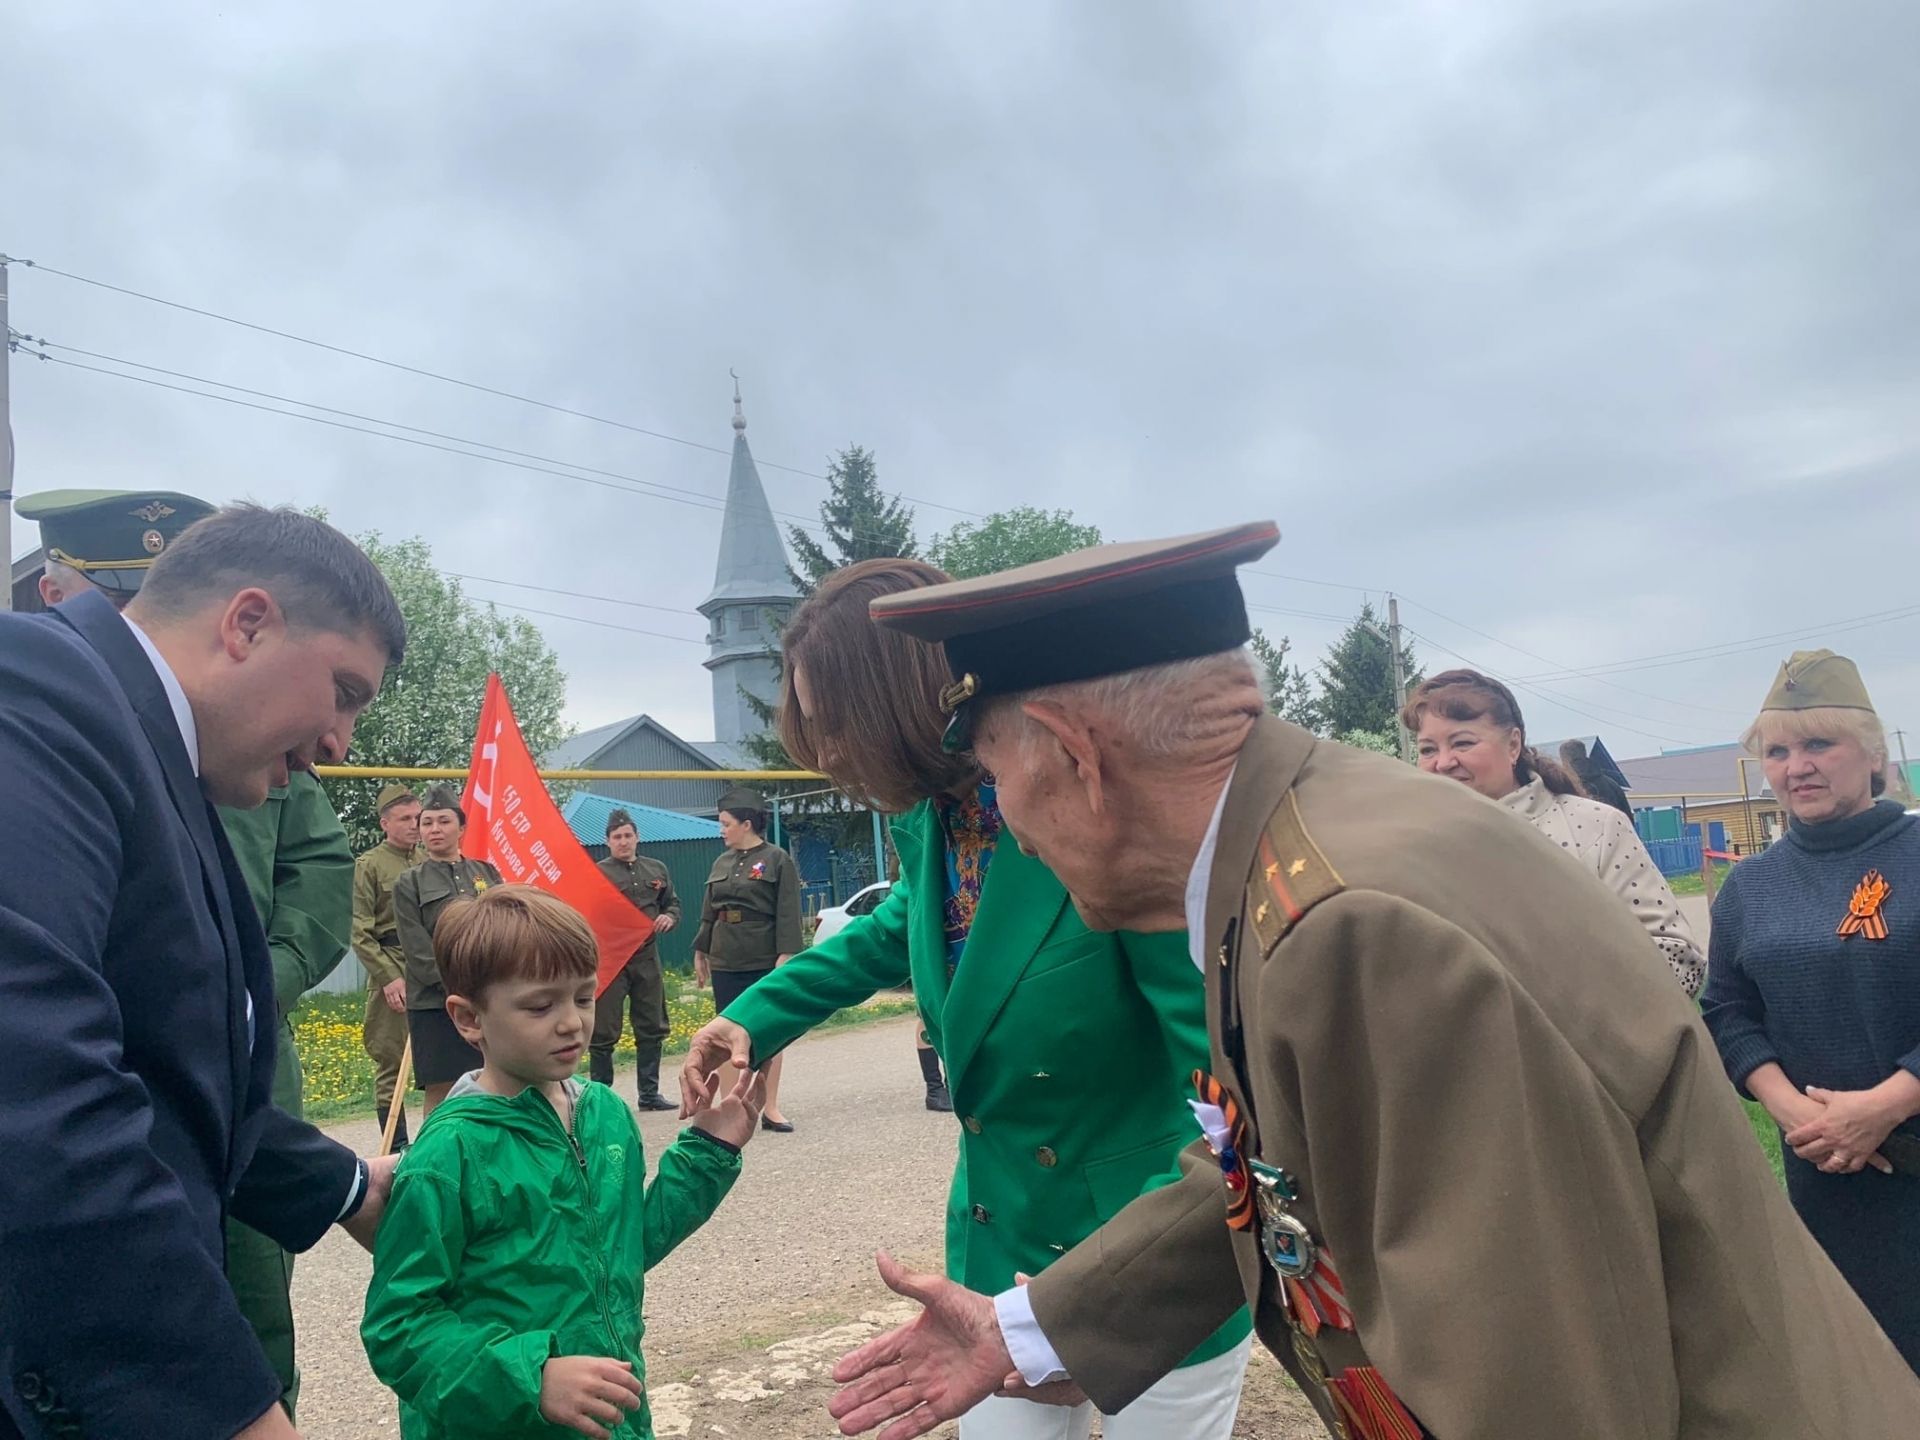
<point x="1035" y="1359"/>
<point x="352" y="1201"/>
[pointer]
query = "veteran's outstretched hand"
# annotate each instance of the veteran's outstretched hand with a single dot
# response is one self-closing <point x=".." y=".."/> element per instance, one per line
<point x="714" y="1046"/>
<point x="930" y="1370"/>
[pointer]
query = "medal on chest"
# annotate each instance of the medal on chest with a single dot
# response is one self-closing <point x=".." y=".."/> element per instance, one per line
<point x="1262" y="1198"/>
<point x="758" y="870"/>
<point x="1863" y="911"/>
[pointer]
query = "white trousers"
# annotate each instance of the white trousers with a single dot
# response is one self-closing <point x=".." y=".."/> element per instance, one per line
<point x="1197" y="1403"/>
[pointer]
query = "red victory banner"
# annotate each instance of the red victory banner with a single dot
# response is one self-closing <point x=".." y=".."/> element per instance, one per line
<point x="512" y="821"/>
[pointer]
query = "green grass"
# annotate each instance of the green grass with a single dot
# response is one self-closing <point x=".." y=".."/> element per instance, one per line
<point x="1691" y="883"/>
<point x="338" y="1076"/>
<point x="1768" y="1134"/>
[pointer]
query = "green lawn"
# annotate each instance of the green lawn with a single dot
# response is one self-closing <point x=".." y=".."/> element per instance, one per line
<point x="1768" y="1134"/>
<point x="1691" y="883"/>
<point x="338" y="1077"/>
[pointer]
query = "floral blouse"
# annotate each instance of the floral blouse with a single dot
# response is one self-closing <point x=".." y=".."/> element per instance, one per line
<point x="972" y="829"/>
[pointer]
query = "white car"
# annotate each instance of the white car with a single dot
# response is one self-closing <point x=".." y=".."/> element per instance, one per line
<point x="863" y="902"/>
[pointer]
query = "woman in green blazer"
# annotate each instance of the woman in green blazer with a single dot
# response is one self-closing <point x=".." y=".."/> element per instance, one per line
<point x="1071" y="1093"/>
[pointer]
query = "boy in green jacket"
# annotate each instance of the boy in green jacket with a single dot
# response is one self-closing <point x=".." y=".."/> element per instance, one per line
<point x="508" y="1272"/>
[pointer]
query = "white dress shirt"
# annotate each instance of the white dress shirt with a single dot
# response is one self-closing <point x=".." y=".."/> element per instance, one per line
<point x="1033" y="1354"/>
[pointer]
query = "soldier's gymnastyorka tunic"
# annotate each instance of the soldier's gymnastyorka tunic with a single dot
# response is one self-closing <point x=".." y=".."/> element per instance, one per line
<point x="440" y="1056"/>
<point x="749" y="917"/>
<point x="376" y="941"/>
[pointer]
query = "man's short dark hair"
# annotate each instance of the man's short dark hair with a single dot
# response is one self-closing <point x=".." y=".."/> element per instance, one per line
<point x="617" y="818"/>
<point x="319" y="578"/>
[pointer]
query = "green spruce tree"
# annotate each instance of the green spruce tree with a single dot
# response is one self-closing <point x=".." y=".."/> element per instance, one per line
<point x="1356" y="680"/>
<point x="860" y="519"/>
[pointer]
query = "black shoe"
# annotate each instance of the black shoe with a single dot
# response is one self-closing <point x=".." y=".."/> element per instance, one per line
<point x="938" y="1098"/>
<point x="656" y="1101"/>
<point x="779" y="1127"/>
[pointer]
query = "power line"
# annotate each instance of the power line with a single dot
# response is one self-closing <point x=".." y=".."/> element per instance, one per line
<point x="474" y="385"/>
<point x="1532" y="655"/>
<point x="575" y="594"/>
<point x="1549" y="697"/>
<point x="586" y="620"/>
<point x="654" y="489"/>
<point x="1666" y="659"/>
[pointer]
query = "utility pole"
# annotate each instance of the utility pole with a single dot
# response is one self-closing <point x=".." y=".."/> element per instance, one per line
<point x="1906" y="769"/>
<point x="1399" y="678"/>
<point x="6" y="438"/>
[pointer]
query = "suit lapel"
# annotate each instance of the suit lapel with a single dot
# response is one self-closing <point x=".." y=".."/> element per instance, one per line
<point x="1019" y="905"/>
<point x="102" y="627"/>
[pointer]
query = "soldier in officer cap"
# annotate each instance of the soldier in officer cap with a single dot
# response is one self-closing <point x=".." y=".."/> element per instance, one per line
<point x="105" y="540"/>
<point x="1466" y="1154"/>
<point x="292" y="850"/>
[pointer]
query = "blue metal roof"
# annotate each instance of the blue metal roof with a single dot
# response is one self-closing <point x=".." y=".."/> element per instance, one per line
<point x="586" y="815"/>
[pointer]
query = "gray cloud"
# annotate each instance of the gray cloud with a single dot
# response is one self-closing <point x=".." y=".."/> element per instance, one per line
<point x="1591" y="326"/>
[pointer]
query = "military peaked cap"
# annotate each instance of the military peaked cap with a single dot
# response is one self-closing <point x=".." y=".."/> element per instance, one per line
<point x="110" y="536"/>
<point x="1095" y="612"/>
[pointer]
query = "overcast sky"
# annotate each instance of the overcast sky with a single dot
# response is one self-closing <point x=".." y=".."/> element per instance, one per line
<point x="1593" y="327"/>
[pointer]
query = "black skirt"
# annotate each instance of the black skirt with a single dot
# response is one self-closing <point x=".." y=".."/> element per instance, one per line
<point x="440" y="1056"/>
<point x="730" y="985"/>
<point x="1869" y="1225"/>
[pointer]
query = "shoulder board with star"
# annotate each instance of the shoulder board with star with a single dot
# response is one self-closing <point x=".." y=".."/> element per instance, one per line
<point x="1290" y="876"/>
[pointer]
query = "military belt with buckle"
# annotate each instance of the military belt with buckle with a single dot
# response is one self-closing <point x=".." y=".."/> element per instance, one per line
<point x="732" y="917"/>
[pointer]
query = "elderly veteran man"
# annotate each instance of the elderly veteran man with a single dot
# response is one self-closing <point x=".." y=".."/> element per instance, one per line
<point x="292" y="851"/>
<point x="376" y="941"/>
<point x="1467" y="1155"/>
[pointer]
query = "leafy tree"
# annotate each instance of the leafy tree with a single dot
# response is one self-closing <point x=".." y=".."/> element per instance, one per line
<point x="861" y="520"/>
<point x="1356" y="680"/>
<point x="1381" y="742"/>
<point x="427" y="708"/>
<point x="1009" y="538"/>
<point x="1289" y="692"/>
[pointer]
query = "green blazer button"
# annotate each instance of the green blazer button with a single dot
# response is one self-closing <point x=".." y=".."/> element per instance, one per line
<point x="1046" y="1156"/>
<point x="972" y="1122"/>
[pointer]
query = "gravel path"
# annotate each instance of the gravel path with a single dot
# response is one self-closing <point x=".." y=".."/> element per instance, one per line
<point x="744" y="1320"/>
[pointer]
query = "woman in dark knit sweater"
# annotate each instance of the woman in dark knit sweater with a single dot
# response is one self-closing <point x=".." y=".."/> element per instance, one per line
<point x="1813" y="984"/>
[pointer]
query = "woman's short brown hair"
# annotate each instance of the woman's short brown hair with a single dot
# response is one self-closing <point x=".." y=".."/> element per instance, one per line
<point x="876" y="725"/>
<point x="1467" y="695"/>
<point x="512" y="932"/>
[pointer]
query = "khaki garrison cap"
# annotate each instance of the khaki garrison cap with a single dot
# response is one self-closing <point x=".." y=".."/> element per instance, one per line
<point x="741" y="799"/>
<point x="110" y="536"/>
<point x="391" y="795"/>
<point x="1817" y="680"/>
<point x="1096" y="612"/>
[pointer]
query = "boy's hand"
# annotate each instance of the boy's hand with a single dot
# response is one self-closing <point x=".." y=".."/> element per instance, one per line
<point x="587" y="1393"/>
<point x="736" y="1115"/>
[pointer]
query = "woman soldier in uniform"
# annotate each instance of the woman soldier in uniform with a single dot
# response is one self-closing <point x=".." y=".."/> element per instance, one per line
<point x="1069" y="1052"/>
<point x="440" y="1056"/>
<point x="749" y="919"/>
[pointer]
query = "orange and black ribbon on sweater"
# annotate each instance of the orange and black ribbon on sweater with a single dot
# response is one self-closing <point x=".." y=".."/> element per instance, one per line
<point x="1863" y="913"/>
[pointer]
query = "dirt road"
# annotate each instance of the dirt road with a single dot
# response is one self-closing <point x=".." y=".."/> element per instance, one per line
<point x="745" y="1319"/>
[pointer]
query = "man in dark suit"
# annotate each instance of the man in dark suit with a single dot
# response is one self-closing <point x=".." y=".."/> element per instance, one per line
<point x="137" y="1011"/>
